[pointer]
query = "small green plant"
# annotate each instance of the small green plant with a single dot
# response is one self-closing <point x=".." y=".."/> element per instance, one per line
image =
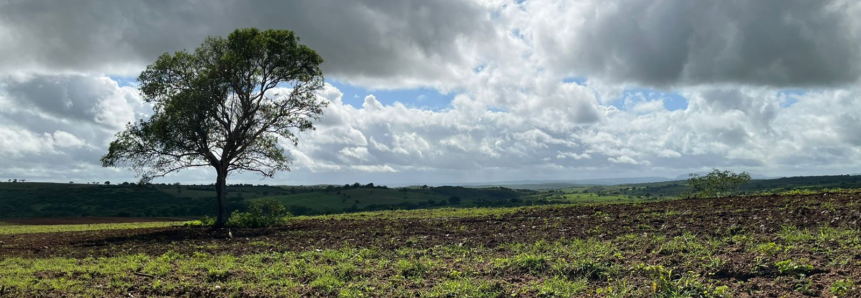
<point x="790" y="267"/>
<point x="466" y="288"/>
<point x="411" y="268"/>
<point x="327" y="283"/>
<point x="218" y="275"/>
<point x="842" y="287"/>
<point x="666" y="284"/>
<point x="530" y="262"/>
<point x="714" y="264"/>
<point x="772" y="249"/>
<point x="805" y="286"/>
<point x="559" y="287"/>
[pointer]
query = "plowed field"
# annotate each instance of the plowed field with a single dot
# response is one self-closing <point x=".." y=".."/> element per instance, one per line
<point x="769" y="246"/>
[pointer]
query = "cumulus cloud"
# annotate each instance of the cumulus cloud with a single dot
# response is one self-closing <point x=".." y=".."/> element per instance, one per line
<point x="539" y="89"/>
<point x="371" y="42"/>
<point x="676" y="42"/>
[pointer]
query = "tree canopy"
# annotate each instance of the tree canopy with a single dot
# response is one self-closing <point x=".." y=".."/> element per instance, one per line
<point x="227" y="105"/>
<point x="717" y="183"/>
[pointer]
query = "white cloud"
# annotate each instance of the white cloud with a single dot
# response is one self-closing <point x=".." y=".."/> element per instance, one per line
<point x="65" y="139"/>
<point x="374" y="168"/>
<point x="540" y="88"/>
<point x="355" y="153"/>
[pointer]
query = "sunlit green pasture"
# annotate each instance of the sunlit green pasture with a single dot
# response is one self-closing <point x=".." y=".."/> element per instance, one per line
<point x="563" y="268"/>
<point x="29" y="229"/>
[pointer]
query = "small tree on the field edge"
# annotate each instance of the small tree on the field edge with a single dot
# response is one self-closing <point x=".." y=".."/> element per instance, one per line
<point x="227" y="105"/>
<point x="717" y="183"/>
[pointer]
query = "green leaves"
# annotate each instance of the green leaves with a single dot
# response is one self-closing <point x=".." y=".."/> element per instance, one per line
<point x="213" y="107"/>
<point x="717" y="183"/>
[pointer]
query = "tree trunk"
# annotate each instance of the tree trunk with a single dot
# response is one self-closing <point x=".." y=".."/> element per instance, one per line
<point x="221" y="192"/>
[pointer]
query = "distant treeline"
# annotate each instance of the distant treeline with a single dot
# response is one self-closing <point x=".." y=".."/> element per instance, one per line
<point x="28" y="200"/>
<point x="677" y="188"/>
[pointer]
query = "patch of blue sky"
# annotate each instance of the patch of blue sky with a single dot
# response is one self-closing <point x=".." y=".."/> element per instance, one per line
<point x="672" y="100"/>
<point x="479" y="68"/>
<point x="578" y="80"/>
<point x="790" y="96"/>
<point x="517" y="33"/>
<point x="125" y="81"/>
<point x="423" y="98"/>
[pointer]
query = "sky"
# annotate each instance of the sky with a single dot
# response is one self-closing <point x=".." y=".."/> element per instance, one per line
<point x="450" y="92"/>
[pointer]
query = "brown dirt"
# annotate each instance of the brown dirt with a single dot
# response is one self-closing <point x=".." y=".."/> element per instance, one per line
<point x="761" y="216"/>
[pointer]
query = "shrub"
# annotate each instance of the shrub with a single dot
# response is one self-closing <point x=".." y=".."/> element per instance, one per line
<point x="717" y="183"/>
<point x="261" y="213"/>
<point x="206" y="221"/>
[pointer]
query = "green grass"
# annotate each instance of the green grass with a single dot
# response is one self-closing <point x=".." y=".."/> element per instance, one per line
<point x="338" y="200"/>
<point x="596" y="198"/>
<point x="360" y="272"/>
<point x="30" y="229"/>
<point x="361" y="198"/>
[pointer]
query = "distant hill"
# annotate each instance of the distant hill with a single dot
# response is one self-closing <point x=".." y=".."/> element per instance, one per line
<point x="34" y="200"/>
<point x="752" y="176"/>
<point x="30" y="200"/>
<point x="679" y="187"/>
<point x="552" y="184"/>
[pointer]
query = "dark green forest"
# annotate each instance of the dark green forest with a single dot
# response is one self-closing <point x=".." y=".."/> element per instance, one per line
<point x="33" y="200"/>
<point x="30" y="200"/>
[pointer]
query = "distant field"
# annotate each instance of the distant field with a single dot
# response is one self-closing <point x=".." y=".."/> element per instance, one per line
<point x="799" y="245"/>
<point x="360" y="198"/>
<point x="87" y="220"/>
<point x="63" y="200"/>
<point x="31" y="229"/>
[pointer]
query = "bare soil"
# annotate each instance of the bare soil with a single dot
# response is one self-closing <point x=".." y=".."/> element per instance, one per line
<point x="763" y="217"/>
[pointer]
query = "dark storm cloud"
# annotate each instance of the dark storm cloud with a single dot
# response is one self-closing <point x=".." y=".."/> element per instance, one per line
<point x="373" y="39"/>
<point x="677" y="42"/>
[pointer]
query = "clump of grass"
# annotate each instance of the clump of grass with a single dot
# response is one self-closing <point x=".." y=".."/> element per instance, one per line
<point x="791" y="267"/>
<point x="326" y="283"/>
<point x="666" y="284"/>
<point x="215" y="275"/>
<point x="532" y="263"/>
<point x="414" y="268"/>
<point x="842" y="287"/>
<point x="771" y="248"/>
<point x="466" y="288"/>
<point x="559" y="287"/>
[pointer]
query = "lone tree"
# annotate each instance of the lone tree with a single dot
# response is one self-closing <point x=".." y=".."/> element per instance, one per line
<point x="717" y="183"/>
<point x="225" y="106"/>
